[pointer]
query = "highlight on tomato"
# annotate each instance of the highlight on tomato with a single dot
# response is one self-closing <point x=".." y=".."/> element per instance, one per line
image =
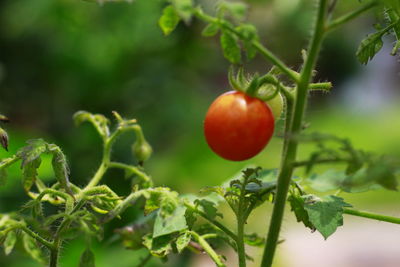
<point x="237" y="126"/>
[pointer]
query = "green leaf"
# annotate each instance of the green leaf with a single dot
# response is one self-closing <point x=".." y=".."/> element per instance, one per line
<point x="370" y="46"/>
<point x="183" y="8"/>
<point x="33" y="248"/>
<point x="171" y="223"/>
<point x="169" y="20"/>
<point x="297" y="206"/>
<point x="60" y="167"/>
<point x="254" y="240"/>
<point x="159" y="246"/>
<point x="236" y="9"/>
<point x="210" y="30"/>
<point x="327" y="181"/>
<point x="9" y="242"/>
<point x="161" y="197"/>
<point x="31" y="152"/>
<point x="208" y="207"/>
<point x="230" y="47"/>
<point x="30" y="173"/>
<point x="87" y="259"/>
<point x="99" y="121"/>
<point x="182" y="241"/>
<point x="326" y="214"/>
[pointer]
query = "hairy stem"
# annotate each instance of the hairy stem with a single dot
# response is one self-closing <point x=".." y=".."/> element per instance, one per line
<point x="290" y="146"/>
<point x="208" y="249"/>
<point x="370" y="215"/>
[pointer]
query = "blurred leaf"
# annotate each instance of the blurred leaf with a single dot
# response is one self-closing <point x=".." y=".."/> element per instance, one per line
<point x="325" y="214"/>
<point x="87" y="259"/>
<point x="33" y="248"/>
<point x="210" y="30"/>
<point x="182" y="241"/>
<point x="171" y="223"/>
<point x="9" y="242"/>
<point x="230" y="47"/>
<point x="159" y="246"/>
<point x="237" y="10"/>
<point x="208" y="207"/>
<point x="3" y="177"/>
<point x="169" y="20"/>
<point x="3" y="138"/>
<point x="183" y="8"/>
<point x="254" y="240"/>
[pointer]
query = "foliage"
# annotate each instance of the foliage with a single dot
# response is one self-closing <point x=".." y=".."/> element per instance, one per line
<point x="171" y="222"/>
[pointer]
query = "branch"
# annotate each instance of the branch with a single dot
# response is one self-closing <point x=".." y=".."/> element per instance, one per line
<point x="370" y="215"/>
<point x="350" y="16"/>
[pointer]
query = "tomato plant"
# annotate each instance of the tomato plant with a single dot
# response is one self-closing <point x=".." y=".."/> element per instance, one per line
<point x="237" y="127"/>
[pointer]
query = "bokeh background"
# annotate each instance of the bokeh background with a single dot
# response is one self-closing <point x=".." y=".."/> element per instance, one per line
<point x="58" y="57"/>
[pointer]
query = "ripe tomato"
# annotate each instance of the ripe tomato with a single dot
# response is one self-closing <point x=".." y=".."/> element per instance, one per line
<point x="237" y="127"/>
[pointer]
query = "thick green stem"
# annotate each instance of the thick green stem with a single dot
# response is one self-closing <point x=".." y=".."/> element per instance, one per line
<point x="208" y="249"/>
<point x="369" y="215"/>
<point x="290" y="146"/>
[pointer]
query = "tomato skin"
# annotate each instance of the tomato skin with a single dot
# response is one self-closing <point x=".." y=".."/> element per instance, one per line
<point x="237" y="127"/>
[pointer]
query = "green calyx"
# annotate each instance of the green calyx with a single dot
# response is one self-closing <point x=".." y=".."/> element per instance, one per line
<point x="265" y="88"/>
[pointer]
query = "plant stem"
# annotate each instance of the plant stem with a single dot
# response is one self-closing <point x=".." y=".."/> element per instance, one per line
<point x="352" y="15"/>
<point x="369" y="215"/>
<point x="256" y="44"/>
<point x="240" y="228"/>
<point x="132" y="169"/>
<point x="145" y="260"/>
<point x="290" y="146"/>
<point x="214" y="222"/>
<point x="208" y="249"/>
<point x="37" y="237"/>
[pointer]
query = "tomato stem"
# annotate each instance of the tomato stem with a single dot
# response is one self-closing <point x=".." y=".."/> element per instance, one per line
<point x="370" y="215"/>
<point x="294" y="125"/>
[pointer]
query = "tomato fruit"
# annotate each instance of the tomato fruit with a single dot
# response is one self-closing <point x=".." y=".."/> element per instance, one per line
<point x="237" y="127"/>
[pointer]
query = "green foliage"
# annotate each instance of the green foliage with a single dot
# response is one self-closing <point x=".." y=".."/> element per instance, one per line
<point x="87" y="259"/>
<point x="230" y="47"/>
<point x="169" y="20"/>
<point x="325" y="214"/>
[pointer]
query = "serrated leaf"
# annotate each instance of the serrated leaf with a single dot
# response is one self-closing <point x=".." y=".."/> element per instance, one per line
<point x="168" y="20"/>
<point x="230" y="47"/>
<point x="33" y="248"/>
<point x="297" y="206"/>
<point x="30" y="173"/>
<point x="210" y="30"/>
<point x="9" y="242"/>
<point x="31" y="152"/>
<point x="159" y="246"/>
<point x="172" y="223"/>
<point x="325" y="214"/>
<point x="208" y="207"/>
<point x="87" y="259"/>
<point x="182" y="241"/>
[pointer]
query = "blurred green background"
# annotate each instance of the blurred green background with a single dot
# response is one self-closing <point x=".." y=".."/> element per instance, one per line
<point x="58" y="57"/>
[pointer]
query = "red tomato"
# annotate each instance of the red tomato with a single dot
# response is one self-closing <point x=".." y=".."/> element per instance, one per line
<point x="237" y="127"/>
